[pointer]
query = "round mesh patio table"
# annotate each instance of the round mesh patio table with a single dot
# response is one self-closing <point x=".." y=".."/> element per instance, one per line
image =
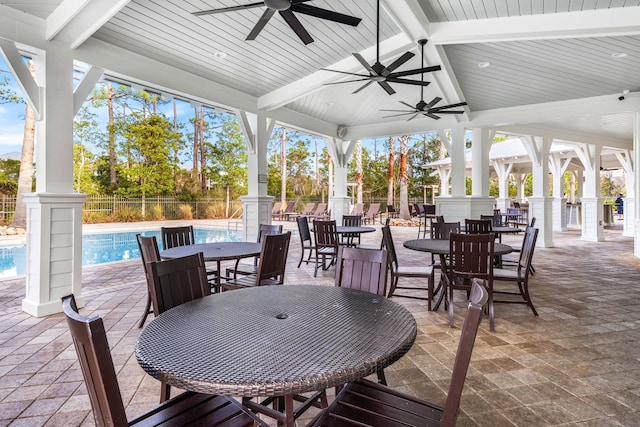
<point x="275" y="340"/>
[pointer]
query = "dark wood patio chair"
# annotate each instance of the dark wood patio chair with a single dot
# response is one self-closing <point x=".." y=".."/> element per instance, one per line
<point x="252" y="269"/>
<point x="271" y="266"/>
<point x="177" y="236"/>
<point x="496" y="220"/>
<point x="183" y="236"/>
<point x="441" y="230"/>
<point x="176" y="281"/>
<point x="306" y="241"/>
<point x="470" y="257"/>
<point x="366" y="403"/>
<point x="148" y="253"/>
<point x="326" y="244"/>
<point x="351" y="239"/>
<point x="392" y="212"/>
<point x="189" y="408"/>
<point x="520" y="275"/>
<point x="397" y="271"/>
<point x="364" y="270"/>
<point x="478" y="226"/>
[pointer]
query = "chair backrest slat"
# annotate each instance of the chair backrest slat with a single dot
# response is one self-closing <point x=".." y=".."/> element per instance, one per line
<point x="477" y="299"/>
<point x="94" y="355"/>
<point x="362" y="269"/>
<point x="177" y="236"/>
<point x="387" y="238"/>
<point x="178" y="280"/>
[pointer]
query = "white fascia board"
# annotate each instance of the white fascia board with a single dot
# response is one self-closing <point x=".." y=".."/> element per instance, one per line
<point x="564" y="136"/>
<point x="406" y="127"/>
<point x="88" y="20"/>
<point x="410" y="18"/>
<point x="556" y="111"/>
<point x="127" y="65"/>
<point x="21" y="27"/>
<point x="309" y="84"/>
<point x="294" y="120"/>
<point x="62" y="15"/>
<point x="617" y="21"/>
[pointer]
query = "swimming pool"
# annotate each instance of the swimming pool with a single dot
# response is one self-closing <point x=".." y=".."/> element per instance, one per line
<point x="99" y="248"/>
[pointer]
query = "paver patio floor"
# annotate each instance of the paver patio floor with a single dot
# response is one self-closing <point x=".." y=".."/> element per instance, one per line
<point x="577" y="364"/>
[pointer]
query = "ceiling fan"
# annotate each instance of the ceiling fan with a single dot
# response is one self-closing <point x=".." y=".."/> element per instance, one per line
<point x="382" y="75"/>
<point x="286" y="9"/>
<point x="422" y="107"/>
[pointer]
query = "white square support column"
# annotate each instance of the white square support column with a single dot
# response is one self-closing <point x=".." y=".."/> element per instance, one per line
<point x="542" y="208"/>
<point x="592" y="219"/>
<point x="256" y="210"/>
<point x="628" y="229"/>
<point x="54" y="251"/>
<point x="560" y="214"/>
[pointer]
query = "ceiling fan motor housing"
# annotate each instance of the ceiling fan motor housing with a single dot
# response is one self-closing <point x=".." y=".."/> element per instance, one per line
<point x="278" y="4"/>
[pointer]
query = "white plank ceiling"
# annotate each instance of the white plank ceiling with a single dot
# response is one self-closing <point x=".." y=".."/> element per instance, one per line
<point x="552" y="63"/>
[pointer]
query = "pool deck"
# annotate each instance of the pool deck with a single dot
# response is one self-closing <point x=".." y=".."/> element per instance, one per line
<point x="576" y="364"/>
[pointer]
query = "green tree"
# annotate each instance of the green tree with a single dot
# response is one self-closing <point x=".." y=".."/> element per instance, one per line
<point x="149" y="143"/>
<point x="227" y="156"/>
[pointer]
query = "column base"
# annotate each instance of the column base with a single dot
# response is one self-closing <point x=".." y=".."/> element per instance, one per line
<point x="541" y="208"/>
<point x="54" y="251"/>
<point x="256" y="210"/>
<point x="592" y="219"/>
<point x="339" y="206"/>
<point x="455" y="208"/>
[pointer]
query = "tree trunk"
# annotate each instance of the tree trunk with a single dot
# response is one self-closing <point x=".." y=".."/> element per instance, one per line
<point x="196" y="134"/>
<point x="390" y="183"/>
<point x="203" y="159"/>
<point x="25" y="178"/>
<point x="175" y="147"/>
<point x="330" y="177"/>
<point x="283" y="167"/>
<point x="112" y="138"/>
<point x="359" y="169"/>
<point x="404" y="178"/>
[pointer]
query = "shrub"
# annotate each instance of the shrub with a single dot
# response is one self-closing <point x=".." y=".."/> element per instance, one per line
<point x="89" y="217"/>
<point x="126" y="214"/>
<point x="186" y="211"/>
<point x="215" y="210"/>
<point x="155" y="213"/>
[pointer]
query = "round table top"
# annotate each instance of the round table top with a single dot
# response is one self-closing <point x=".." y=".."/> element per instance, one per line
<point x="341" y="229"/>
<point x="441" y="246"/>
<point x="275" y="340"/>
<point x="217" y="251"/>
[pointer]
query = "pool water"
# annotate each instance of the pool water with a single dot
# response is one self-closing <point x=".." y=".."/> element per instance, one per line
<point x="100" y="248"/>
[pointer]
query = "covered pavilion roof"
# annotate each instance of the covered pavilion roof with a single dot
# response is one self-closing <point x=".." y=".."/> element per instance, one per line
<point x="554" y="67"/>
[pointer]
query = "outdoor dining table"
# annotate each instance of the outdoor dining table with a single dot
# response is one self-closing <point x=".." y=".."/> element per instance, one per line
<point x="500" y="230"/>
<point x="441" y="247"/>
<point x="217" y="251"/>
<point x="275" y="341"/>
